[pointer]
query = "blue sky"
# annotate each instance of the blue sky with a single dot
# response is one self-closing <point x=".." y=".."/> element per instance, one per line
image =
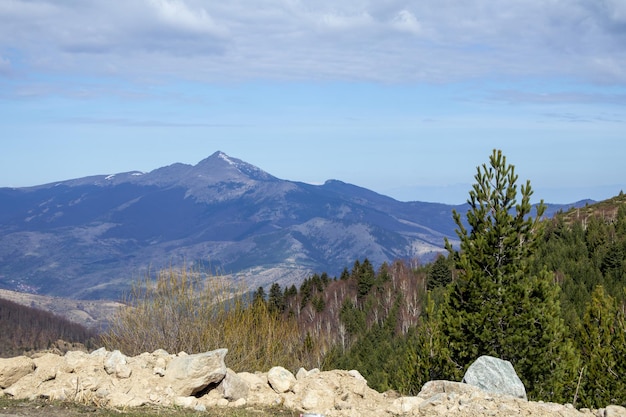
<point x="402" y="97"/>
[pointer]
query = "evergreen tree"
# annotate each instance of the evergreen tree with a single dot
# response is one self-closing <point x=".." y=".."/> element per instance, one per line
<point x="421" y="355"/>
<point x="440" y="273"/>
<point x="602" y="345"/>
<point x="496" y="306"/>
<point x="366" y="277"/>
<point x="276" y="299"/>
<point x="258" y="295"/>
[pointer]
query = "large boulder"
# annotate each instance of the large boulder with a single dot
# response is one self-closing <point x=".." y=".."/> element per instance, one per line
<point x="496" y="376"/>
<point x="190" y="374"/>
<point x="11" y="370"/>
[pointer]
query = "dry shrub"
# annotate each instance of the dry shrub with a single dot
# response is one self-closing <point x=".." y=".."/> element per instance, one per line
<point x="190" y="311"/>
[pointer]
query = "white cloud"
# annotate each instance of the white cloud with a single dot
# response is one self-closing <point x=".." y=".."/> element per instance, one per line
<point x="406" y="21"/>
<point x="177" y="14"/>
<point x="395" y="41"/>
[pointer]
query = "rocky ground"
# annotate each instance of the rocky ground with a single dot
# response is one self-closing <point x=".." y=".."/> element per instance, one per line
<point x="201" y="384"/>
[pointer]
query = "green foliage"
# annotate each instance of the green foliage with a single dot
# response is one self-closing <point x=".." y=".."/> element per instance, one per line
<point x="440" y="273"/>
<point x="375" y="351"/>
<point x="365" y="277"/>
<point x="496" y="307"/>
<point x="276" y="299"/>
<point x="421" y="355"/>
<point x="352" y="317"/>
<point x="586" y="251"/>
<point x="259" y="295"/>
<point x="602" y="345"/>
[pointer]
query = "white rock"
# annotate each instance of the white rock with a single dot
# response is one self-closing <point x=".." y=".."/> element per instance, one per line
<point x="280" y="379"/>
<point x="186" y="402"/>
<point x="614" y="411"/>
<point x="117" y="364"/>
<point x="190" y="374"/>
<point x="12" y="369"/>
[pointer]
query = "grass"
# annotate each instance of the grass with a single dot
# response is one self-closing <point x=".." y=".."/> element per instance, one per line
<point x="40" y="407"/>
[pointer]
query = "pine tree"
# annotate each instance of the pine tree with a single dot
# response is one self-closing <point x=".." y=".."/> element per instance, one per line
<point x="602" y="344"/>
<point x="496" y="306"/>
<point x="421" y="355"/>
<point x="439" y="274"/>
<point x="259" y="295"/>
<point x="276" y="299"/>
<point x="365" y="277"/>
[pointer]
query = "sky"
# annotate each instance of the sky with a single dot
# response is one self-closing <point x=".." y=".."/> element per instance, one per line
<point x="405" y="98"/>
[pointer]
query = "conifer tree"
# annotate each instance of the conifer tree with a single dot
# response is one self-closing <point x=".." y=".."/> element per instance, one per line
<point x="603" y="345"/>
<point x="276" y="299"/>
<point x="439" y="274"/>
<point x="496" y="306"/>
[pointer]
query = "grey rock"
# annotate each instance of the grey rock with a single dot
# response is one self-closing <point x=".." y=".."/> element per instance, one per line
<point x="496" y="376"/>
<point x="233" y="387"/>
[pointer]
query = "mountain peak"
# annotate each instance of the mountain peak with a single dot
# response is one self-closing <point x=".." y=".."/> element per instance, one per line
<point x="219" y="164"/>
<point x="223" y="156"/>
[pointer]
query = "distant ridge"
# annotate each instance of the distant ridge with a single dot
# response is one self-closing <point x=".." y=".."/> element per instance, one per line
<point x="91" y="237"/>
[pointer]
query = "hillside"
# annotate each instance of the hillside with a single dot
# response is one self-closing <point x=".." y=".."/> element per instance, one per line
<point x="92" y="314"/>
<point x="24" y="329"/>
<point x="606" y="210"/>
<point x="89" y="238"/>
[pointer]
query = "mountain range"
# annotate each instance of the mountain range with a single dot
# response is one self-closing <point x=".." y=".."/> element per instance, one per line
<point x="90" y="238"/>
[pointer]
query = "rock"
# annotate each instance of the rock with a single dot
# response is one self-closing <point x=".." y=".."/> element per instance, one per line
<point x="614" y="411"/>
<point x="496" y="376"/>
<point x="11" y="370"/>
<point x="92" y="378"/>
<point x="233" y="387"/>
<point x="302" y="373"/>
<point x="433" y="388"/>
<point x="186" y="402"/>
<point x="317" y="396"/>
<point x="357" y="375"/>
<point x="280" y="379"/>
<point x="190" y="374"/>
<point x="239" y="403"/>
<point x="102" y="352"/>
<point x="116" y="363"/>
<point x="404" y="405"/>
<point x="261" y="392"/>
<point x="121" y="400"/>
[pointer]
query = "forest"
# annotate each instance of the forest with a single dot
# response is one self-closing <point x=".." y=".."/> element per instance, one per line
<point x="547" y="294"/>
<point x="25" y="329"/>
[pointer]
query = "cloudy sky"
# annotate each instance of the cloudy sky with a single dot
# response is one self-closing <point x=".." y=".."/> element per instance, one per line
<point x="403" y="97"/>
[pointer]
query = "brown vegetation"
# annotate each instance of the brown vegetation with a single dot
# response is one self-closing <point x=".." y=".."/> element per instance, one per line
<point x="185" y="310"/>
<point x="23" y="329"/>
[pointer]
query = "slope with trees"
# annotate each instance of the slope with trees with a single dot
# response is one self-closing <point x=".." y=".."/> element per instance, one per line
<point x="546" y="294"/>
<point x="24" y="329"/>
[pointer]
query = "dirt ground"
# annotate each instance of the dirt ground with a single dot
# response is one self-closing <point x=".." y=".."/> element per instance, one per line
<point x="43" y="408"/>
